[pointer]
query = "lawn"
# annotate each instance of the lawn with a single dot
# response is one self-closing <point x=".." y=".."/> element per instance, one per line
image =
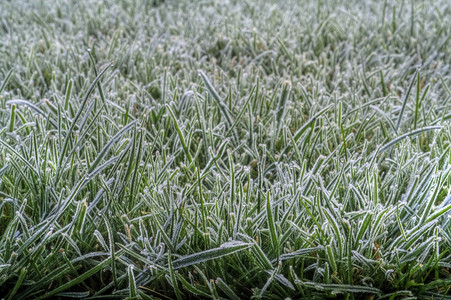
<point x="225" y="149"/>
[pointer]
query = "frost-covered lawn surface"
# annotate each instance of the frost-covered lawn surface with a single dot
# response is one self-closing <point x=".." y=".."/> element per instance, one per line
<point x="225" y="149"/>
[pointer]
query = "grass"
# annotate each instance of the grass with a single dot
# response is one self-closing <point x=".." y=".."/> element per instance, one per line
<point x="225" y="149"/>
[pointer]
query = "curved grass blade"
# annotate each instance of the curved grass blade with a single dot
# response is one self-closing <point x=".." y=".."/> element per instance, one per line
<point x="74" y="121"/>
<point x="403" y="107"/>
<point x="411" y="133"/>
<point x="299" y="253"/>
<point x="301" y="130"/>
<point x="131" y="282"/>
<point x="23" y="273"/>
<point x="25" y="161"/>
<point x="32" y="106"/>
<point x="74" y="295"/>
<point x="281" y="107"/>
<point x="343" y="288"/>
<point x="174" y="278"/>
<point x="272" y="227"/>
<point x="196" y="258"/>
<point x="215" y="95"/>
<point x="226" y="289"/>
<point x="5" y="81"/>
<point x="96" y="74"/>
<point x="191" y="288"/>
<point x="109" y="144"/>
<point x="77" y="280"/>
<point x="180" y="134"/>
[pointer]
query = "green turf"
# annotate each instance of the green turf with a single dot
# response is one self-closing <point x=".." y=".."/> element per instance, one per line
<point x="235" y="149"/>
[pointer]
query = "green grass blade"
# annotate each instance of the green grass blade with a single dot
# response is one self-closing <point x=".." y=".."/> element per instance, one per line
<point x="218" y="100"/>
<point x="5" y="81"/>
<point x="406" y="98"/>
<point x="200" y="257"/>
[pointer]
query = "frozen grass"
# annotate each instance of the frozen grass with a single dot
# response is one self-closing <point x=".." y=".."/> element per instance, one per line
<point x="234" y="149"/>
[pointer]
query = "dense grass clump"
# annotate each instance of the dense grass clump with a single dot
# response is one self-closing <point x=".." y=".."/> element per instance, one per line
<point x="225" y="149"/>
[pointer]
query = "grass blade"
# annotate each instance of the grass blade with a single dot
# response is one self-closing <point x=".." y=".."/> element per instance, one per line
<point x="5" y="81"/>
<point x="218" y="100"/>
<point x="200" y="257"/>
<point x="406" y="97"/>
